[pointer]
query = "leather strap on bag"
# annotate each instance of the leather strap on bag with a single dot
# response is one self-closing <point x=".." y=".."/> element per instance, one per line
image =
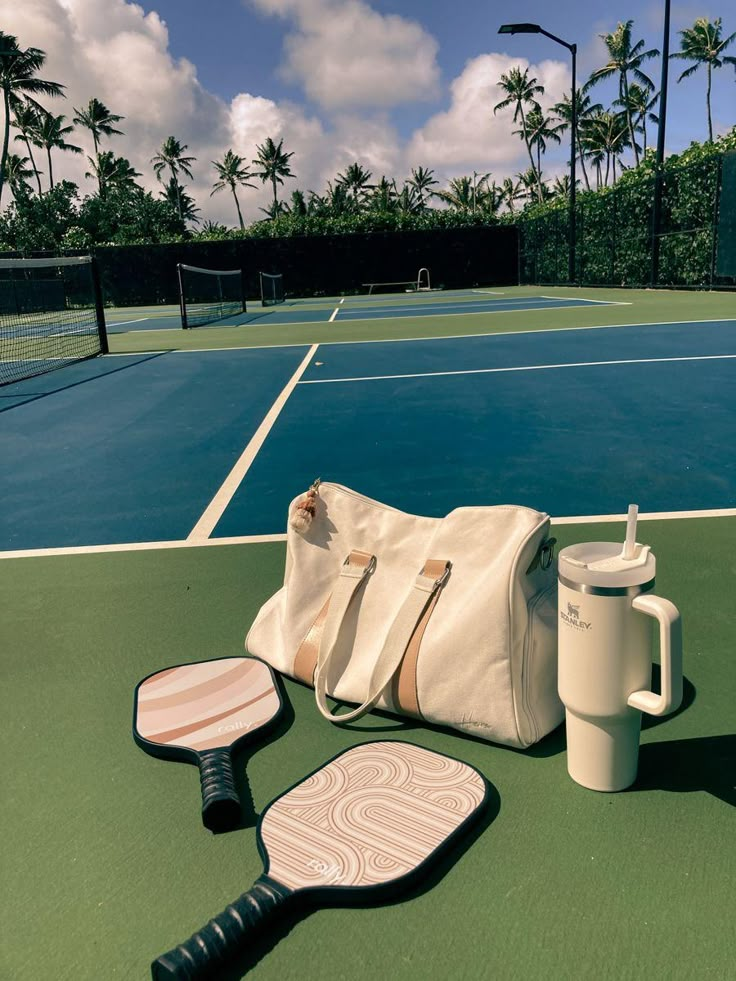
<point x="404" y="628"/>
<point x="404" y="692"/>
<point x="354" y="572"/>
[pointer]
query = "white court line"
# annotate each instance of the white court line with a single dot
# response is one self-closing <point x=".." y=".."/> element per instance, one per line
<point x="489" y="292"/>
<point x="584" y="299"/>
<point x="31" y="553"/>
<point x="216" y="508"/>
<point x="334" y="314"/>
<point x="428" y="337"/>
<point x="120" y="323"/>
<point x="583" y="519"/>
<point x="531" y="367"/>
<point x="589" y="519"/>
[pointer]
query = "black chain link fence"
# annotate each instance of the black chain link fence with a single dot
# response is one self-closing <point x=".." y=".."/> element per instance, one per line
<point x="696" y="234"/>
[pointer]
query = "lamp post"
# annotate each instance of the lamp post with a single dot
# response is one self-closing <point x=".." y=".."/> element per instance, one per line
<point x="573" y="49"/>
<point x="657" y="203"/>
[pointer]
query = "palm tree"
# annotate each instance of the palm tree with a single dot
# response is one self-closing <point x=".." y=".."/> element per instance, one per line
<point x="298" y="206"/>
<point x="421" y="180"/>
<point x="16" y="173"/>
<point x="17" y="80"/>
<point x="273" y="162"/>
<point x="607" y="135"/>
<point x="540" y="129"/>
<point x="274" y="210"/>
<point x="98" y="119"/>
<point x="112" y="172"/>
<point x="488" y="197"/>
<point x="702" y="43"/>
<point x="337" y="200"/>
<point x="232" y="171"/>
<point x="561" y="186"/>
<point x="384" y="194"/>
<point x="459" y="194"/>
<point x="355" y="179"/>
<point x="24" y="119"/>
<point x="171" y="155"/>
<point x="511" y="192"/>
<point x="48" y="133"/>
<point x="585" y="109"/>
<point x="520" y="90"/>
<point x="178" y="198"/>
<point x="640" y="105"/>
<point x="479" y="190"/>
<point x="625" y="59"/>
<point x="528" y="185"/>
<point x="407" y="201"/>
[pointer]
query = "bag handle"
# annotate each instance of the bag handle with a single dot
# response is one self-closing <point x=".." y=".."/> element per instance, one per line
<point x="426" y="584"/>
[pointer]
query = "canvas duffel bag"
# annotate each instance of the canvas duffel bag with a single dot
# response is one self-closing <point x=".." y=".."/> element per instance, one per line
<point x="451" y="620"/>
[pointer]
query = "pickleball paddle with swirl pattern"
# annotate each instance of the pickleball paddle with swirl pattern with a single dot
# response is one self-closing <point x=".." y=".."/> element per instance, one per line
<point x="200" y="713"/>
<point x="364" y="825"/>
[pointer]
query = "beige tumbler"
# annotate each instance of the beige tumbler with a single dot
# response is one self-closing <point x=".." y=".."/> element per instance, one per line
<point x="605" y="656"/>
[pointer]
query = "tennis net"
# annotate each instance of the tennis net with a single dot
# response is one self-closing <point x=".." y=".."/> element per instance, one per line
<point x="209" y="295"/>
<point x="272" y="289"/>
<point x="51" y="315"/>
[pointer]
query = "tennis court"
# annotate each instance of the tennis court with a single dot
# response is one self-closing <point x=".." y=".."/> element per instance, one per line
<point x="145" y="496"/>
<point x="341" y="309"/>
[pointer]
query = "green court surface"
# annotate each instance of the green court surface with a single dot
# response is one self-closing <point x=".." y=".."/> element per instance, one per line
<point x="638" y="307"/>
<point x="106" y="865"/>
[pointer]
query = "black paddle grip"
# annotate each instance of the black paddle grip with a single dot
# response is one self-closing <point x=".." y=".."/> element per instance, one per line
<point x="203" y="955"/>
<point x="220" y="801"/>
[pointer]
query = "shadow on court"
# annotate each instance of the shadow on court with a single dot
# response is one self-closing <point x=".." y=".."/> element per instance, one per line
<point x="42" y="385"/>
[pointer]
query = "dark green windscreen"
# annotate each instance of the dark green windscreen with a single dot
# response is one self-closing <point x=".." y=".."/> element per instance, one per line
<point x="726" y="257"/>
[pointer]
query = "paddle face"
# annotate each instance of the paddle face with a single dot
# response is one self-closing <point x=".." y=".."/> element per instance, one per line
<point x="373" y="816"/>
<point x="199" y="713"/>
<point x="181" y="712"/>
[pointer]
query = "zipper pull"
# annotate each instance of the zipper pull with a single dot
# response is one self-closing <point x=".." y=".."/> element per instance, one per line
<point x="305" y="509"/>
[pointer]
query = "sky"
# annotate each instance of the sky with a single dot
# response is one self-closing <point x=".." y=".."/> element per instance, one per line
<point x="391" y="84"/>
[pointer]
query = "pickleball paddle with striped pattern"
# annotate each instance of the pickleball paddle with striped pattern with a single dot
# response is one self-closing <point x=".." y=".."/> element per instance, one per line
<point x="366" y="824"/>
<point x="200" y="713"/>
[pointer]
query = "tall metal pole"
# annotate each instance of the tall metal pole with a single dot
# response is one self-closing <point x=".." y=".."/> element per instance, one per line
<point x="657" y="203"/>
<point x="573" y="155"/>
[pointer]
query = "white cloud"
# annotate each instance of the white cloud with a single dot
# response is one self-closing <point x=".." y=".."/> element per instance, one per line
<point x="468" y="135"/>
<point x="116" y="53"/>
<point x="112" y="50"/>
<point x="347" y="55"/>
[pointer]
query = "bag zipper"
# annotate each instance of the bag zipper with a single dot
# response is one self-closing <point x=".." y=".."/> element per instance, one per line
<point x="526" y="660"/>
<point x="387" y="507"/>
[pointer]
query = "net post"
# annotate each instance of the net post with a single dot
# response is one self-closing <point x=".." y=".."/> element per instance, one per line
<point x="182" y="304"/>
<point x="242" y="290"/>
<point x="99" y="306"/>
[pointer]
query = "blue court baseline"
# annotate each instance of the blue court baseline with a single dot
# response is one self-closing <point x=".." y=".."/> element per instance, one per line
<point x="130" y="448"/>
<point x="578" y="440"/>
<point x="352" y="310"/>
<point x="489" y="351"/>
<point x="453" y="308"/>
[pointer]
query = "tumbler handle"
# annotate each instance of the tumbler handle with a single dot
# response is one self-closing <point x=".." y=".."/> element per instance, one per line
<point x="670" y="648"/>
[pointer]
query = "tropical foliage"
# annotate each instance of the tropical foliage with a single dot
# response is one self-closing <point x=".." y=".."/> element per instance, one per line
<point x="611" y="147"/>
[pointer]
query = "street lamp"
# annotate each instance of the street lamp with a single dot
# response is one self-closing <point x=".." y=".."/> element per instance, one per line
<point x="572" y="48"/>
<point x="657" y="203"/>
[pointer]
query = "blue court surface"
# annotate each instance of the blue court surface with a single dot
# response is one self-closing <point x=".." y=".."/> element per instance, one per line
<point x="134" y="448"/>
<point x="376" y="307"/>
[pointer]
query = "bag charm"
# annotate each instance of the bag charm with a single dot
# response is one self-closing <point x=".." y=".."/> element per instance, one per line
<point x="305" y="509"/>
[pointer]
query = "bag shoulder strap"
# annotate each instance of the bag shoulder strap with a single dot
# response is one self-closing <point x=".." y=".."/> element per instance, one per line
<point x="425" y="588"/>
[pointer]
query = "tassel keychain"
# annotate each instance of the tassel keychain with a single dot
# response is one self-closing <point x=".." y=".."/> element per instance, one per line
<point x="305" y="509"/>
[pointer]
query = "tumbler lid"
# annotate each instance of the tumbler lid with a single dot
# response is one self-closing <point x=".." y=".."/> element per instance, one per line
<point x="603" y="564"/>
